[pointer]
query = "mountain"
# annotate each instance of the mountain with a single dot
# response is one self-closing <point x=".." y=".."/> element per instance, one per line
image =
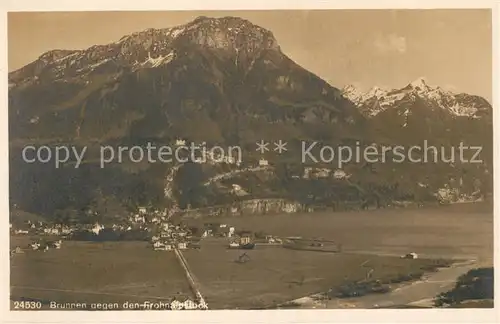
<point x="377" y="100"/>
<point x="161" y="83"/>
<point x="221" y="81"/>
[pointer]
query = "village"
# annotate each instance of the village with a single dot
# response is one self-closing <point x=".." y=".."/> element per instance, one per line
<point x="154" y="226"/>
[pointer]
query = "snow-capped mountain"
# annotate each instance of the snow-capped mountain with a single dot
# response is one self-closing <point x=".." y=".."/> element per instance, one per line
<point x="377" y="100"/>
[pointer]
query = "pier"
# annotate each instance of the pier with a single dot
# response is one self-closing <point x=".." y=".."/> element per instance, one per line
<point x="190" y="277"/>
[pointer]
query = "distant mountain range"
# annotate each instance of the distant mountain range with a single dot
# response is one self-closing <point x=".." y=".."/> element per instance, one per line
<point x="377" y="100"/>
<point x="223" y="81"/>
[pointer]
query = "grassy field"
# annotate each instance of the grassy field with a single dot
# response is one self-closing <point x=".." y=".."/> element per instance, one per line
<point x="275" y="275"/>
<point x="97" y="272"/>
<point x="129" y="271"/>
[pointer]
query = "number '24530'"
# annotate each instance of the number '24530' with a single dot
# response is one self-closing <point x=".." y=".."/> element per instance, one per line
<point x="27" y="305"/>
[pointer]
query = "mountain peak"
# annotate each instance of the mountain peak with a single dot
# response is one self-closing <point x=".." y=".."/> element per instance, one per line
<point x="420" y="84"/>
<point x="212" y="32"/>
<point x="355" y="95"/>
<point x="375" y="92"/>
<point x="237" y="37"/>
<point x="228" y="32"/>
<point x="455" y="104"/>
<point x="352" y="93"/>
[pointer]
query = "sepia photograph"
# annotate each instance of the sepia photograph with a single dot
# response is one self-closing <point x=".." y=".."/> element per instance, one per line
<point x="250" y="160"/>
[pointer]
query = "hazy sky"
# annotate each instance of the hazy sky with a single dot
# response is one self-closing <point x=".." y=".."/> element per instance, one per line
<point x="388" y="48"/>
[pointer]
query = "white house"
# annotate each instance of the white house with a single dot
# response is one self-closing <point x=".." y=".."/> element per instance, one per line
<point x="35" y="246"/>
<point x="263" y="162"/>
<point x="339" y="174"/>
<point x="414" y="255"/>
<point x="180" y="142"/>
<point x="158" y="246"/>
<point x="142" y="210"/>
<point x="290" y="208"/>
<point x="411" y="255"/>
<point x="21" y="231"/>
<point x="97" y="228"/>
<point x="54" y="231"/>
<point x="182" y="245"/>
<point x="322" y="173"/>
<point x="57" y="244"/>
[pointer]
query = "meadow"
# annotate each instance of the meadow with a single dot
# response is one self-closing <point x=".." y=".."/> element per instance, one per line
<point x="97" y="272"/>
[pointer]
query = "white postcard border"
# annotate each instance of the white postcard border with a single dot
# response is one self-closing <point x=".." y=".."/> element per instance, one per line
<point x="234" y="316"/>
